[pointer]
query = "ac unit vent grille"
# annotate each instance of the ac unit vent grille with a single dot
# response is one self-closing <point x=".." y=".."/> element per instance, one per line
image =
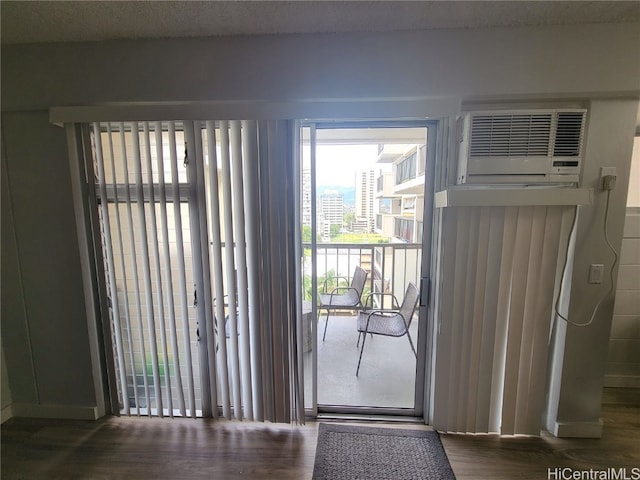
<point x="510" y="135"/>
<point x="568" y="134"/>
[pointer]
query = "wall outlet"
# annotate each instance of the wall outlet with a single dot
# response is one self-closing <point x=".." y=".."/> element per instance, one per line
<point x="596" y="273"/>
<point x="604" y="171"/>
<point x="607" y="178"/>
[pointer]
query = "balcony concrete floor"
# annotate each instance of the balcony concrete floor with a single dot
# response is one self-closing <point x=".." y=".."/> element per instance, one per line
<point x="387" y="371"/>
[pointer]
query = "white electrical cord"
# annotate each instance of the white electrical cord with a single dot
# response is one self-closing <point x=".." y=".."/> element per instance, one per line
<point x="566" y="260"/>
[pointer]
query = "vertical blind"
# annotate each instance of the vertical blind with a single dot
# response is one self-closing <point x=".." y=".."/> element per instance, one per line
<point x="501" y="269"/>
<point x="199" y="236"/>
<point x="132" y="186"/>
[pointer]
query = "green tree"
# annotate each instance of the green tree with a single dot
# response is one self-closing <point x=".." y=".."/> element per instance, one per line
<point x="365" y="238"/>
<point x="331" y="283"/>
<point x="348" y="218"/>
<point x="306" y="234"/>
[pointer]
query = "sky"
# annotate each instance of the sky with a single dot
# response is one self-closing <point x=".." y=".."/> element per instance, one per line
<point x="338" y="164"/>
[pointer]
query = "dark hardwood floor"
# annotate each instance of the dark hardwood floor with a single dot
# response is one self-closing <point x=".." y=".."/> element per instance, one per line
<point x="491" y="457"/>
<point x="153" y="448"/>
<point x="143" y="448"/>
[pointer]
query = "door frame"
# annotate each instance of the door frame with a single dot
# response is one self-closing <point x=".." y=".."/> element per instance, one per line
<point x="422" y="386"/>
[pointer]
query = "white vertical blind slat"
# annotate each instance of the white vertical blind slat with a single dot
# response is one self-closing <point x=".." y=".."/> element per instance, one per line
<point x="146" y="270"/>
<point x="530" y="318"/>
<point x="515" y="318"/>
<point x="502" y="317"/>
<point x="489" y="314"/>
<point x="280" y="372"/>
<point x="155" y="253"/>
<point x="125" y="283"/>
<point x="478" y="320"/>
<point x="539" y="352"/>
<point x="199" y="256"/>
<point x="457" y="319"/>
<point x="268" y="394"/>
<point x="113" y="291"/>
<point x="241" y="265"/>
<point x="287" y="322"/>
<point x="230" y="268"/>
<point x="209" y="355"/>
<point x="444" y="333"/>
<point x="467" y="381"/>
<point x="166" y="258"/>
<point x="134" y="261"/>
<point x="252" y="222"/>
<point x="218" y="274"/>
<point x="291" y="292"/>
<point x="279" y="253"/>
<point x="184" y="301"/>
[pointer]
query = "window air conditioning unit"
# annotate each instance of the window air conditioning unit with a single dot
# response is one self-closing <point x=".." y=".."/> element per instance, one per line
<point x="521" y="147"/>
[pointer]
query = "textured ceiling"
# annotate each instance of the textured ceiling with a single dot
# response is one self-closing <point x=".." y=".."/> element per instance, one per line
<point x="58" y="21"/>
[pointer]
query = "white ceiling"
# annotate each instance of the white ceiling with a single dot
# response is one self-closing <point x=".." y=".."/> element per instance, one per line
<point x="61" y="21"/>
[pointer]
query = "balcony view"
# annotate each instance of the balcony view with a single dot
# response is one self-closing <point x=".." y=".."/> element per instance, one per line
<point x="368" y="211"/>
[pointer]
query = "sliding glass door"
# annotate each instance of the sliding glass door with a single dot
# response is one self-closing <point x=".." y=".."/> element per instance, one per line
<point x="218" y="238"/>
<point x="366" y="203"/>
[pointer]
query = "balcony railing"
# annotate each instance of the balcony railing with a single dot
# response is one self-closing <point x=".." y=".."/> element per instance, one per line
<point x="391" y="266"/>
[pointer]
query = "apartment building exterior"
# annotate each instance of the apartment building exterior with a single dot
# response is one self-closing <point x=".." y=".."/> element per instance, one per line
<point x="365" y="201"/>
<point x="331" y="212"/>
<point x="399" y="194"/>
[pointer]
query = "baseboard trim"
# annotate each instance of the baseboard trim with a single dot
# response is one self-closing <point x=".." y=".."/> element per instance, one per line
<point x="54" y="411"/>
<point x="622" y="381"/>
<point x="6" y="413"/>
<point x="578" y="429"/>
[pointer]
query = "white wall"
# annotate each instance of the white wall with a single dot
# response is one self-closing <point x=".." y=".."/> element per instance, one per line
<point x="568" y="62"/>
<point x="13" y="315"/>
<point x="623" y="362"/>
<point x="44" y="330"/>
<point x="609" y="142"/>
<point x="633" y="197"/>
<point x="558" y="60"/>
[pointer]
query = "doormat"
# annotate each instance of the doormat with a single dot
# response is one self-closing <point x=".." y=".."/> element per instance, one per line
<point x="356" y="452"/>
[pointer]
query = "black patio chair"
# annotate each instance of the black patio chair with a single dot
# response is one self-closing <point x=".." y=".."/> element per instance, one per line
<point x="389" y="322"/>
<point x="342" y="297"/>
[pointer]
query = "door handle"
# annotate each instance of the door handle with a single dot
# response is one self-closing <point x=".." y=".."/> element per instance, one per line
<point x="425" y="291"/>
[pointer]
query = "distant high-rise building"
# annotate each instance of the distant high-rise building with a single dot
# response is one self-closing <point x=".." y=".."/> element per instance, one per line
<point x="365" y="191"/>
<point x="332" y="207"/>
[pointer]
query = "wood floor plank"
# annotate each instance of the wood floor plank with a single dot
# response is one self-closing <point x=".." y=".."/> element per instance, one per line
<point x="143" y="448"/>
<point x="491" y="457"/>
<point x="155" y="448"/>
